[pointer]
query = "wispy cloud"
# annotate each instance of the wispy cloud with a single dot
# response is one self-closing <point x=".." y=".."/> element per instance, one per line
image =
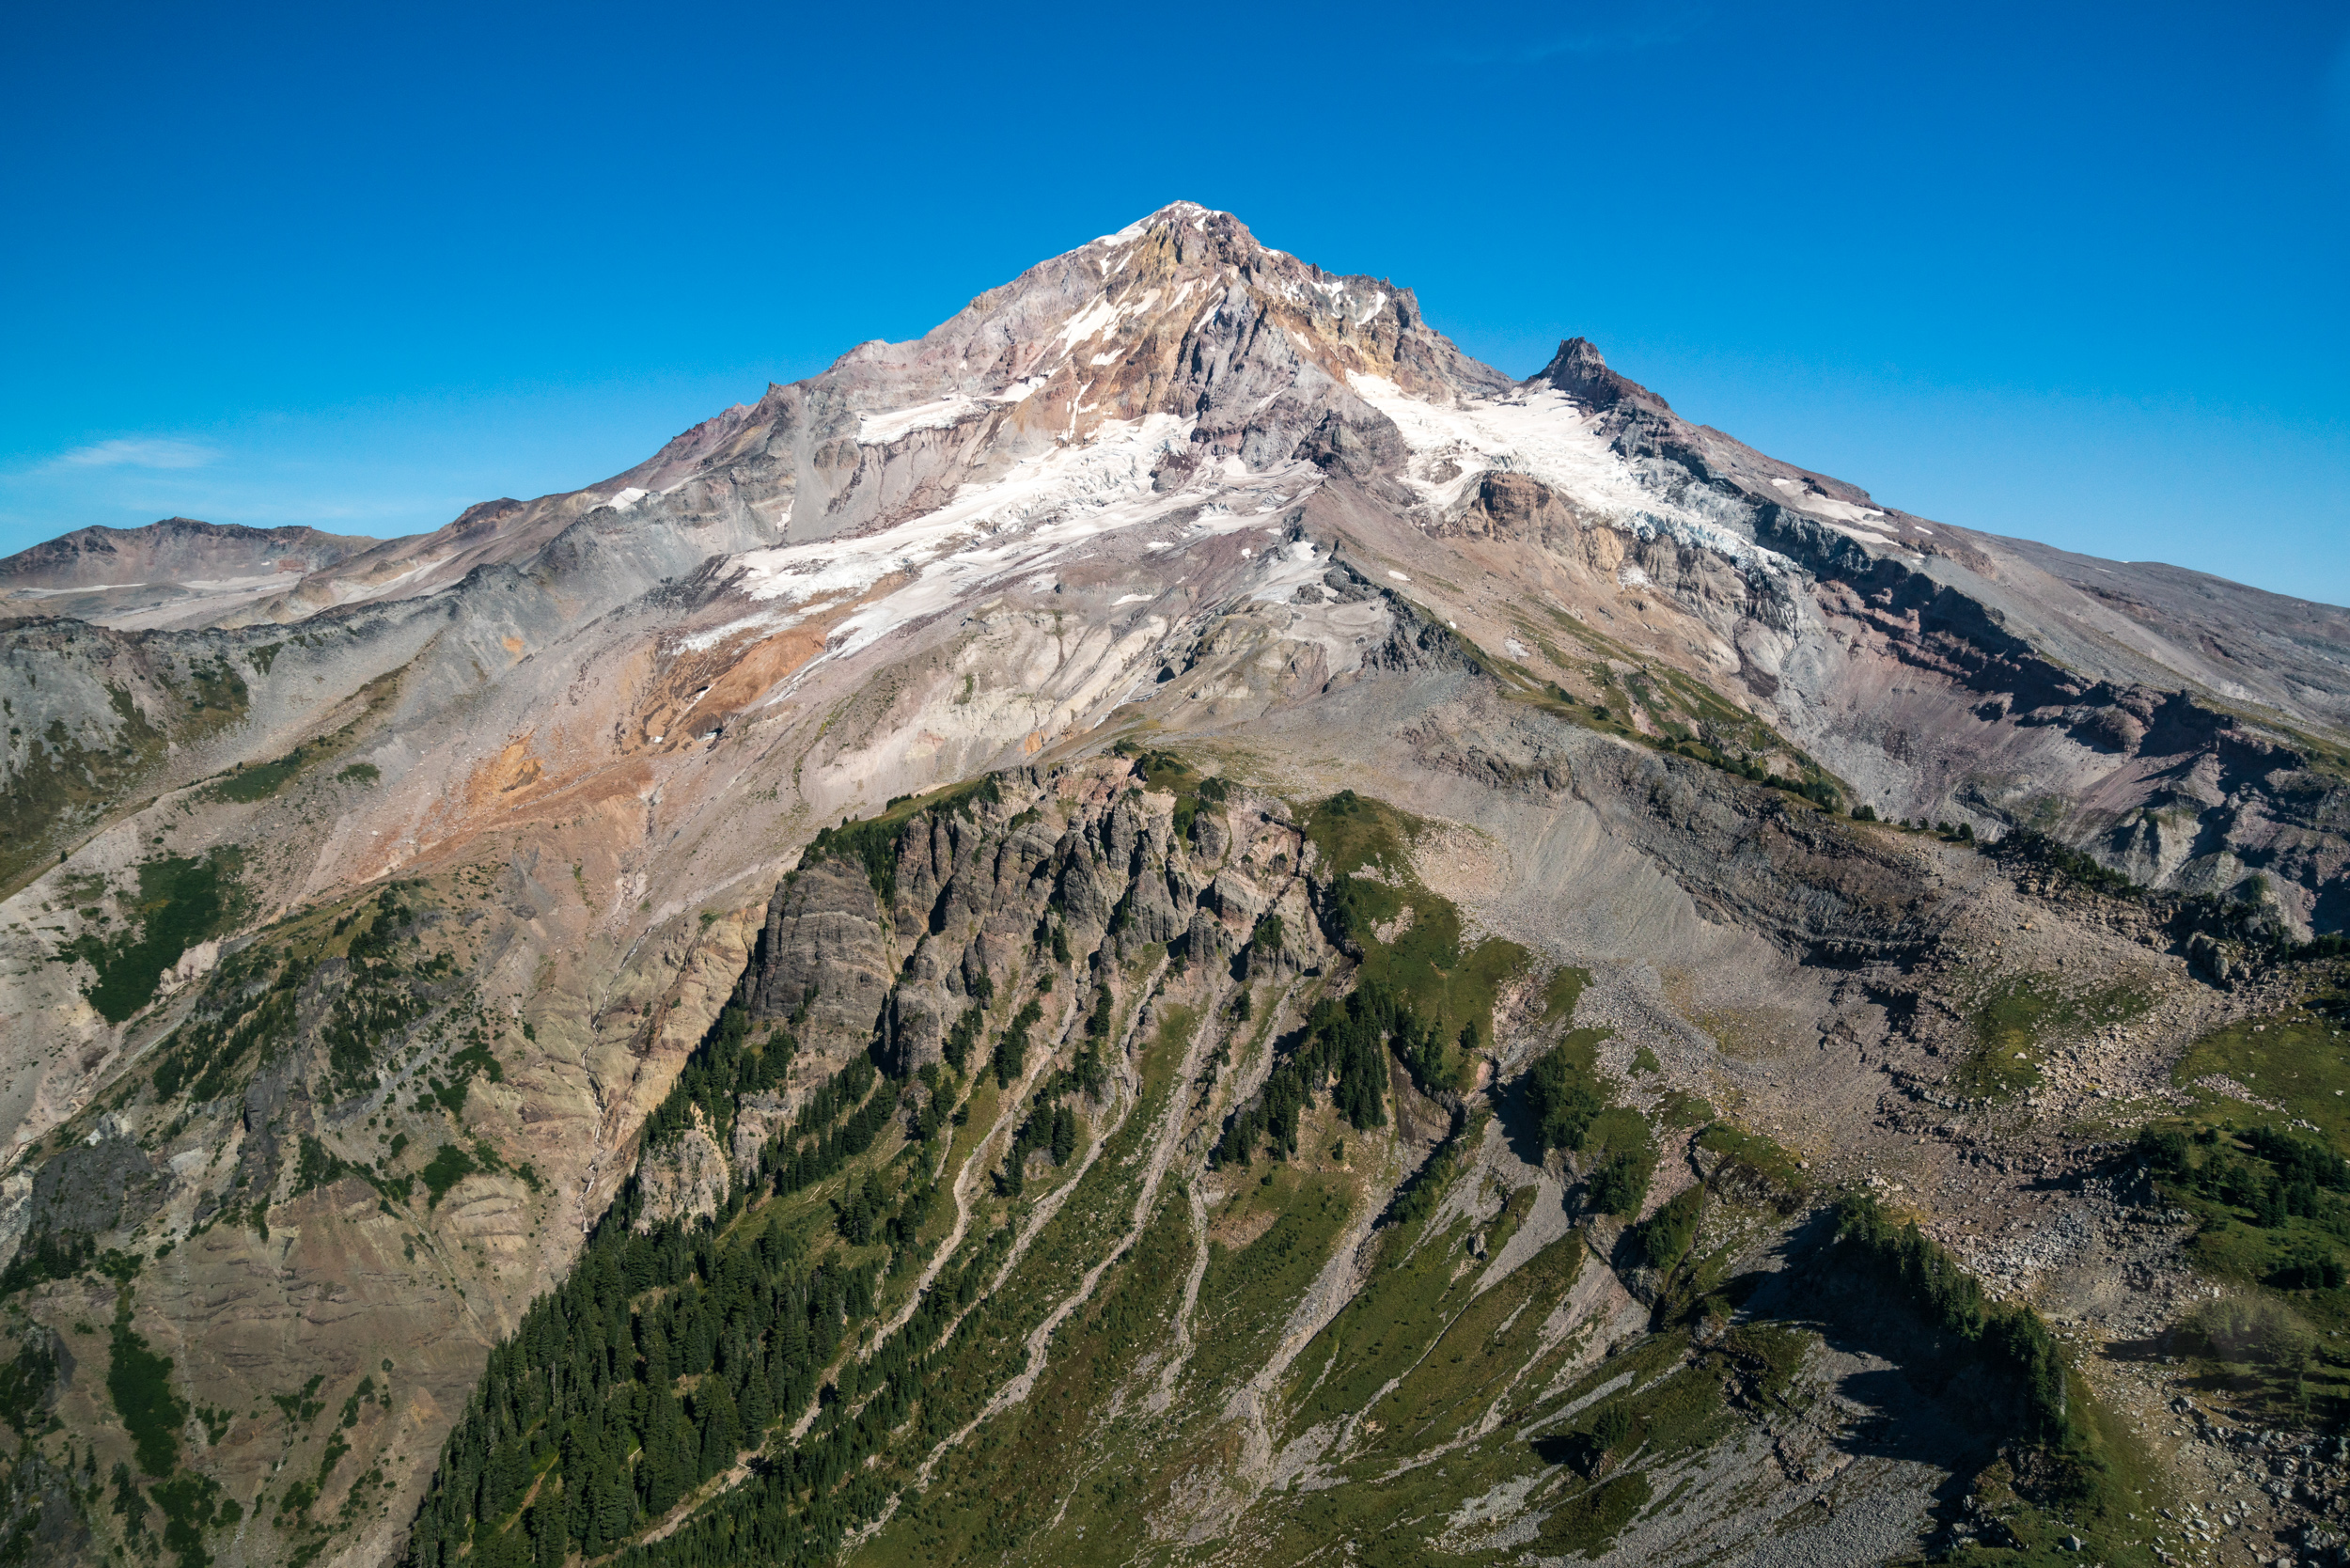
<point x="132" y="453"/>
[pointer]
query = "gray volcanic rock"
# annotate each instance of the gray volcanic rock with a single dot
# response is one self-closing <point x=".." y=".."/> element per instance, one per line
<point x="176" y="548"/>
<point x="85" y="1187"/>
<point x="824" y="961"/>
<point x="1578" y="371"/>
<point x="2262" y="650"/>
<point x="174" y="572"/>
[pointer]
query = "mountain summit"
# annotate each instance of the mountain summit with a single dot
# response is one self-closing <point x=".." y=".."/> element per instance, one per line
<point x="1171" y="923"/>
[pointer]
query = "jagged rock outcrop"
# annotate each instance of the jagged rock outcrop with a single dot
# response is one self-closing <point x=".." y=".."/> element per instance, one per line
<point x="825" y="959"/>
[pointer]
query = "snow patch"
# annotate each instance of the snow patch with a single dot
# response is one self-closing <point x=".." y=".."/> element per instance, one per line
<point x="351" y="593"/>
<point x="1540" y="432"/>
<point x="990" y="534"/>
<point x="1101" y="316"/>
<point x="879" y="430"/>
<point x="1823" y="506"/>
<point x="1837" y="512"/>
<point x="208" y="585"/>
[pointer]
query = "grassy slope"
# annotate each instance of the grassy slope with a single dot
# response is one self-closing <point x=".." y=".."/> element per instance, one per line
<point x="1424" y="959"/>
<point x="2274" y="1350"/>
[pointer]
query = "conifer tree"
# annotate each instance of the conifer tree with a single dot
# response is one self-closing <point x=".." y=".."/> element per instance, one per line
<point x="720" y="1429"/>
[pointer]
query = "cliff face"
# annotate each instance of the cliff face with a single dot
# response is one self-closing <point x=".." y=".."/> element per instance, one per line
<point x="1037" y="868"/>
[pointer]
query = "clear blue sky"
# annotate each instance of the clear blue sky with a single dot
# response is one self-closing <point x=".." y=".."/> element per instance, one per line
<point x="2071" y="272"/>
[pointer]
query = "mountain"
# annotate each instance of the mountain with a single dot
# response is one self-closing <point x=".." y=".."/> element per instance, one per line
<point x="1172" y="923"/>
<point x="174" y="572"/>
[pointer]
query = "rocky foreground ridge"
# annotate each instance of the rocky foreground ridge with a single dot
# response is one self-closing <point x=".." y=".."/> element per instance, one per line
<point x="1171" y="923"/>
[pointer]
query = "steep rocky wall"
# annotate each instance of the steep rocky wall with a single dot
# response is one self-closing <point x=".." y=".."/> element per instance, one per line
<point x="1917" y="679"/>
<point x="340" y="1177"/>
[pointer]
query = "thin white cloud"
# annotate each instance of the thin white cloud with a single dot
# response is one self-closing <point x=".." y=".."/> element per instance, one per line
<point x="138" y="453"/>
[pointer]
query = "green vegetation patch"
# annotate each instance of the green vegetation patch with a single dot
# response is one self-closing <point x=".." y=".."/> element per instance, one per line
<point x="1661" y="708"/>
<point x="2261" y="1346"/>
<point x="871" y="842"/>
<point x="46" y="1255"/>
<point x="448" y="1165"/>
<point x="182" y="901"/>
<point x="1619" y="1157"/>
<point x="1451" y="987"/>
<point x="247" y="1011"/>
<point x="2076" y="1468"/>
<point x="2030" y="846"/>
<point x="1565" y="1091"/>
<point x="2013" y="1341"/>
<point x="1668" y="1415"/>
<point x="1750" y="1161"/>
<point x="1665" y="1237"/>
<point x="1417" y="1197"/>
<point x="1574" y="1109"/>
<point x="734" y="1061"/>
<point x="1355" y="833"/>
<point x="2301" y="1059"/>
<point x="192" y="1503"/>
<point x="2109" y="1502"/>
<point x="218" y="688"/>
<point x="1406" y="1305"/>
<point x="1587" y="1523"/>
<point x="1164" y="770"/>
<point x="301" y="1407"/>
<point x="1561" y="991"/>
<point x="1043" y="1464"/>
<point x="319" y="1167"/>
<point x="140" y="1383"/>
<point x="248" y="785"/>
<point x="1421" y="1324"/>
<point x="387" y="989"/>
<point x="1247" y="1292"/>
<point x="59" y="783"/>
<point x="1770" y="1353"/>
<point x="744" y="1326"/>
<point x="2274" y="1206"/>
<point x="1673" y="1407"/>
<point x="26" y="1381"/>
<point x="1448" y="1388"/>
<point x="1345" y="1044"/>
<point x="2014" y="1019"/>
<point x="1681" y="1110"/>
<point x="264" y="779"/>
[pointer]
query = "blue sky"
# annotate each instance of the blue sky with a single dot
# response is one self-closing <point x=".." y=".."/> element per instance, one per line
<point x="2076" y="273"/>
